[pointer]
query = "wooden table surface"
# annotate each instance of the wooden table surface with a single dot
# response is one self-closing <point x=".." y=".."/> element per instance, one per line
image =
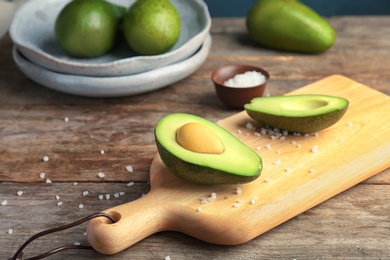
<point x="106" y="135"/>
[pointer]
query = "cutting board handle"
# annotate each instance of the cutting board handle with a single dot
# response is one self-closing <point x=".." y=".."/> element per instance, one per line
<point x="135" y="221"/>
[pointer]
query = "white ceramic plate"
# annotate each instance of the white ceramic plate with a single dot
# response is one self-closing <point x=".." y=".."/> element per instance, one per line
<point x="32" y="31"/>
<point x="113" y="86"/>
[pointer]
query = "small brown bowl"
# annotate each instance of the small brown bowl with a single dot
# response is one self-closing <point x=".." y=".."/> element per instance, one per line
<point x="237" y="97"/>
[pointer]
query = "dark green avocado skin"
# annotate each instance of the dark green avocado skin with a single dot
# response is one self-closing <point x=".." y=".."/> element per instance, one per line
<point x="289" y="25"/>
<point x="306" y="124"/>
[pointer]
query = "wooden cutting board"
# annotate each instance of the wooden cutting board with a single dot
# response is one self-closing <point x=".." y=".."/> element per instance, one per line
<point x="294" y="178"/>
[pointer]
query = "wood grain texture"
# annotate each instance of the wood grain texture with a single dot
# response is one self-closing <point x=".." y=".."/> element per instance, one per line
<point x="345" y="157"/>
<point x="353" y="225"/>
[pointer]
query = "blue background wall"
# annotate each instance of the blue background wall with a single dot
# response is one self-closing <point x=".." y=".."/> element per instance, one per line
<point x="239" y="8"/>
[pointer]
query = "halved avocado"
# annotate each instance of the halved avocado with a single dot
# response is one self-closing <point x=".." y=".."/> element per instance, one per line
<point x="304" y="113"/>
<point x="200" y="151"/>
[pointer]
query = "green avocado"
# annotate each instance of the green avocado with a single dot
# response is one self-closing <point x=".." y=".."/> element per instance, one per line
<point x="200" y="151"/>
<point x="289" y="25"/>
<point x="305" y="113"/>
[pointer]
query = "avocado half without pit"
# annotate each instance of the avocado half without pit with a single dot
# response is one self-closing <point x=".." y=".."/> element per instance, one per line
<point x="200" y="151"/>
<point x="306" y="113"/>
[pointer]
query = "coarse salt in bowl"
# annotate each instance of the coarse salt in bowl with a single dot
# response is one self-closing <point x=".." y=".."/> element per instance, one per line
<point x="238" y="84"/>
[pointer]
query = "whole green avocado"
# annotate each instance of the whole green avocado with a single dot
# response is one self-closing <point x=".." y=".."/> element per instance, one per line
<point x="289" y="25"/>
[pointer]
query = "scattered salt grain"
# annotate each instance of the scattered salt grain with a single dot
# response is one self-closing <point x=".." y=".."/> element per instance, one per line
<point x="258" y="148"/>
<point x="108" y="196"/>
<point x="299" y="145"/>
<point x="239" y="131"/>
<point x="101" y="175"/>
<point x="76" y="243"/>
<point x="314" y="149"/>
<point x="4" y="202"/>
<point x="10" y="231"/>
<point x="282" y="138"/>
<point x="48" y="181"/>
<point x="57" y="197"/>
<point x="316" y="134"/>
<point x="116" y="195"/>
<point x="45" y="158"/>
<point x="213" y="195"/>
<point x="59" y="203"/>
<point x="294" y="142"/>
<point x="278" y="151"/>
<point x="236" y="205"/>
<point x="307" y="135"/>
<point x="130" y="184"/>
<point x="199" y="209"/>
<point x="101" y="151"/>
<point x="203" y="201"/>
<point x="42" y="175"/>
<point x="66" y="119"/>
<point x="267" y="146"/>
<point x="85" y="193"/>
<point x="254" y="199"/>
<point x="167" y="257"/>
<point x="268" y="180"/>
<point x="277" y="162"/>
<point x="121" y="193"/>
<point x="288" y="169"/>
<point x="250" y="126"/>
<point x="101" y="197"/>
<point x="350" y="124"/>
<point x="238" y="190"/>
<point x="75" y="183"/>
<point x="285" y="133"/>
<point x="246" y="79"/>
<point x="19" y="193"/>
<point x="81" y="206"/>
<point x="129" y="168"/>
<point x="312" y="170"/>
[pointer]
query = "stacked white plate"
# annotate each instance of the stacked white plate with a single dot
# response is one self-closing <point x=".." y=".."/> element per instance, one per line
<point x="120" y="72"/>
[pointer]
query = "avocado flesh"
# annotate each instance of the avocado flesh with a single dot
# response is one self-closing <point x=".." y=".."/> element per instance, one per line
<point x="298" y="113"/>
<point x="238" y="163"/>
<point x="289" y="25"/>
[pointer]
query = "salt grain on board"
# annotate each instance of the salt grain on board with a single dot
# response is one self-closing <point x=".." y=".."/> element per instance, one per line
<point x="45" y="158"/>
<point x="4" y="202"/>
<point x="101" y="175"/>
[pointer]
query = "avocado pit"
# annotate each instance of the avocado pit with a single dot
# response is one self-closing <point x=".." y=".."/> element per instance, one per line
<point x="198" y="138"/>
